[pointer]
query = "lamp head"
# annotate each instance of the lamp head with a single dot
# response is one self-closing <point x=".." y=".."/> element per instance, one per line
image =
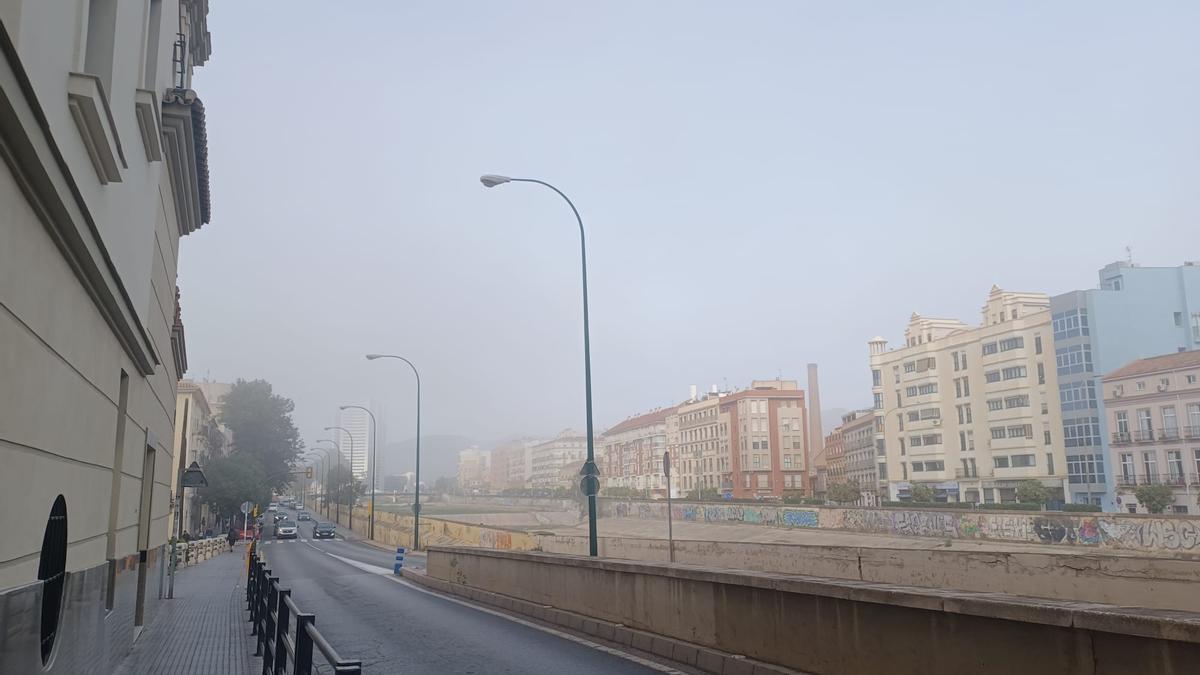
<point x="372" y="357"/>
<point x="492" y="180"/>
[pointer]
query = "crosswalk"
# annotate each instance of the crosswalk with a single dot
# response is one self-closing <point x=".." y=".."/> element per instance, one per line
<point x="301" y="540"/>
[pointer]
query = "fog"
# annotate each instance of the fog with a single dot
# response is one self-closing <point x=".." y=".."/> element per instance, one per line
<point x="763" y="184"/>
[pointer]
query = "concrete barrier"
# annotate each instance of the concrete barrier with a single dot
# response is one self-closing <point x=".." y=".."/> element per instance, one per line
<point x="1159" y="583"/>
<point x="835" y="627"/>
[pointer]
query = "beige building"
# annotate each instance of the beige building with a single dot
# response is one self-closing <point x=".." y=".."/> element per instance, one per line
<point x="548" y="458"/>
<point x="1153" y="409"/>
<point x="970" y="411"/>
<point x="859" y="463"/>
<point x="474" y="470"/>
<point x="103" y="170"/>
<point x="630" y="454"/>
<point x="835" y="458"/>
<point x="198" y="437"/>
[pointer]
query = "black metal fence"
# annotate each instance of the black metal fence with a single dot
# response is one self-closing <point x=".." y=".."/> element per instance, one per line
<point x="284" y="633"/>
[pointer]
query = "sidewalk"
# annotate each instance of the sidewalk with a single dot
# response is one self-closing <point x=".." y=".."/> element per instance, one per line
<point x="205" y="629"/>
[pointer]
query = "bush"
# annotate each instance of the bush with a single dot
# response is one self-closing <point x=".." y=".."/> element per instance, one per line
<point x="1032" y="492"/>
<point x="931" y="505"/>
<point x="922" y="493"/>
<point x="1081" y="508"/>
<point x="1012" y="506"/>
<point x="1156" y="498"/>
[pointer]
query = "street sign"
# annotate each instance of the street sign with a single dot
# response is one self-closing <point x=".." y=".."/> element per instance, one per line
<point x="667" y="464"/>
<point x="416" y="509"/>
<point x="246" y="506"/>
<point x="590" y="486"/>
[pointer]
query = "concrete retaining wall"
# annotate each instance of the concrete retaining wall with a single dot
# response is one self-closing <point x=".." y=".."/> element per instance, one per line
<point x="834" y="627"/>
<point x="1084" y="577"/>
<point x="1162" y="535"/>
<point x="396" y="530"/>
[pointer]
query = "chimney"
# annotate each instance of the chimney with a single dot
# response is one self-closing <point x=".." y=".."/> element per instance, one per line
<point x="816" y="438"/>
<point x="692" y="397"/>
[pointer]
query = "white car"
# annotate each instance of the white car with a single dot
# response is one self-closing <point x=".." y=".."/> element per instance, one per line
<point x="285" y="530"/>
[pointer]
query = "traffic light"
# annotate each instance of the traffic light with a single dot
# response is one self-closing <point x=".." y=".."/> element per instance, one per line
<point x="308" y="473"/>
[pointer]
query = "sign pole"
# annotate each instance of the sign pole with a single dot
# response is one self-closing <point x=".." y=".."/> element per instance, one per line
<point x="670" y="524"/>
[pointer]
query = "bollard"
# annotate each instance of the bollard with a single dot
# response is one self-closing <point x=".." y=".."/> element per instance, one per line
<point x="399" y="560"/>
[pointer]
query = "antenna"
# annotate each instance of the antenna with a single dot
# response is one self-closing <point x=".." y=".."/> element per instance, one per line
<point x="1129" y="254"/>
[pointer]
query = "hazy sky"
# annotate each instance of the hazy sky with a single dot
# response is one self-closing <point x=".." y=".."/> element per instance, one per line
<point x="764" y="184"/>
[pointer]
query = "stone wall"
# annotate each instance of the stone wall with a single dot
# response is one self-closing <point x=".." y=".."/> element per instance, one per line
<point x="1167" y="535"/>
<point x="829" y="626"/>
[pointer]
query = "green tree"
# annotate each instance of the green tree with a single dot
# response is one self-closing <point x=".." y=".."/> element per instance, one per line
<point x="232" y="480"/>
<point x="922" y="493"/>
<point x="261" y="422"/>
<point x="1032" y="492"/>
<point x="844" y="493"/>
<point x="1156" y="498"/>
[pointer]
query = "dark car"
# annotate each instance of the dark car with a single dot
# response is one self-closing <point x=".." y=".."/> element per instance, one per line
<point x="280" y="516"/>
<point x="323" y="531"/>
<point x="303" y="515"/>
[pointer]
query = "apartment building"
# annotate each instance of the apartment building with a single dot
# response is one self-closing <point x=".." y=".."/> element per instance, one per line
<point x="1153" y="409"/>
<point x="835" y="458"/>
<point x="859" y="459"/>
<point x="1134" y="313"/>
<point x="631" y="453"/>
<point x="703" y="444"/>
<point x="199" y="437"/>
<point x="548" y="458"/>
<point x="971" y="411"/>
<point x="474" y="470"/>
<point x="768" y="436"/>
<point x="103" y="169"/>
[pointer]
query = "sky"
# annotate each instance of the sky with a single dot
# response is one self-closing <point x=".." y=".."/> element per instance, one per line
<point x="763" y="185"/>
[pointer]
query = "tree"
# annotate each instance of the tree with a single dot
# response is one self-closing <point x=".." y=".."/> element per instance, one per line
<point x="1032" y="492"/>
<point x="261" y="422"/>
<point x="844" y="493"/>
<point x="922" y="493"/>
<point x="347" y="492"/>
<point x="232" y="480"/>
<point x="1156" y="498"/>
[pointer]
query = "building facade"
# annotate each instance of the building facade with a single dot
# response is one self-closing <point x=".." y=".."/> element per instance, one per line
<point x="631" y="453"/>
<point x="1153" y="409"/>
<point x="835" y="458"/>
<point x="103" y="170"/>
<point x="1136" y="312"/>
<point x="971" y="411"/>
<point x="355" y="441"/>
<point x="548" y="458"/>
<point x="199" y="437"/>
<point x="859" y="465"/>
<point x="474" y="470"/>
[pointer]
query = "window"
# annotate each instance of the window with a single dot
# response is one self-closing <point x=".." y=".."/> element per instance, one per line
<point x="1123" y="423"/>
<point x="1020" y="430"/>
<point x="970" y="440"/>
<point x="921" y="390"/>
<point x="918" y="467"/>
<point x="876" y="377"/>
<point x="1169" y="424"/>
<point x="878" y="401"/>
<point x="1150" y="463"/>
<point x="1196" y="459"/>
<point x="756" y="457"/>
<point x="1046" y="437"/>
<point x="1072" y="323"/>
<point x="1077" y="396"/>
<point x="955" y="356"/>
<point x="746" y="480"/>
<point x="52" y="571"/>
<point x="101" y="41"/>
<point x="1082" y="468"/>
<point x="1190" y="379"/>
<point x="989" y="348"/>
<point x="764" y="481"/>
<point x="1194" y="419"/>
<point x="966" y="385"/>
<point x="991" y="376"/>
<point x="896" y="373"/>
<point x="1009" y="344"/>
<point x="937" y="465"/>
<point x="1020" y="401"/>
<point x="787" y="461"/>
<point x="1013" y="372"/>
<point x="1141" y="386"/>
<point x="878" y="424"/>
<point x="930" y="413"/>
<point x="995" y="404"/>
<point x="904" y="470"/>
<point x="1145" y="425"/>
<point x="1128" y="475"/>
<point x="1000" y="462"/>
<point x="962" y="441"/>
<point x="1041" y="373"/>
<point x="964" y="360"/>
<point x="898" y="403"/>
<point x="957" y="388"/>
<point x="998" y="433"/>
<point x="1175" y="464"/>
<point x="910" y="366"/>
<point x="1037" y="344"/>
<point x="1023" y="461"/>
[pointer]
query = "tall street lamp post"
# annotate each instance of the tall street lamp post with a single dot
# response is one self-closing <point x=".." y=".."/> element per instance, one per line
<point x="337" y="452"/>
<point x="416" y="507"/>
<point x="325" y="475"/>
<point x="351" y="505"/>
<point x="591" y="473"/>
<point x="371" y="526"/>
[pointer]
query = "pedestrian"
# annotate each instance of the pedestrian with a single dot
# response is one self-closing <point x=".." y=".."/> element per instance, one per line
<point x="232" y="537"/>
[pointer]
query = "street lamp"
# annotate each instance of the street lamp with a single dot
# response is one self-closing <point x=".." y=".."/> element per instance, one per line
<point x="371" y="526"/>
<point x="337" y="451"/>
<point x="416" y="507"/>
<point x="347" y="432"/>
<point x="591" y="481"/>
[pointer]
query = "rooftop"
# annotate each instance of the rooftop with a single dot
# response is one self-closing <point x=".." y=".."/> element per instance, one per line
<point x="1157" y="364"/>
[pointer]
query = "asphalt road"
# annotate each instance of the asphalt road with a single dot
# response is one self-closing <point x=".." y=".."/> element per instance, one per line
<point x="395" y="627"/>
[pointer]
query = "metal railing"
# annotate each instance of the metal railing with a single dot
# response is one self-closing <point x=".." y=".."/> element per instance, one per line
<point x="1171" y="434"/>
<point x="1169" y="479"/>
<point x="1191" y="432"/>
<point x="279" y="642"/>
<point x="1143" y="436"/>
<point x="1121" y="437"/>
<point x="966" y="473"/>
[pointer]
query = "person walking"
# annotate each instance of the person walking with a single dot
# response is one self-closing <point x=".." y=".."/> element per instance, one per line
<point x="232" y="538"/>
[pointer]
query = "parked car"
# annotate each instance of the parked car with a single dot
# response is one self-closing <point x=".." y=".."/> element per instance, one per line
<point x="303" y="515"/>
<point x="285" y="530"/>
<point x="323" y="531"/>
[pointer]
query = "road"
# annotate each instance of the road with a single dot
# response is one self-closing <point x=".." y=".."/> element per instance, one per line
<point x="395" y="627"/>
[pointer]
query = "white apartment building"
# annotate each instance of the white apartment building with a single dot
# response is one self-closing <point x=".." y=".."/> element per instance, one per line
<point x="548" y="459"/>
<point x="103" y="168"/>
<point x="971" y="411"/>
<point x="1153" y="408"/>
<point x="358" y="423"/>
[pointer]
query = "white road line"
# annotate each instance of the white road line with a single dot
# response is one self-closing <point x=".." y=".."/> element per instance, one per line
<point x="388" y="573"/>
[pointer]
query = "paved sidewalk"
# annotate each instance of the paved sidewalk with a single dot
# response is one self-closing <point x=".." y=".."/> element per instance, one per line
<point x="205" y="629"/>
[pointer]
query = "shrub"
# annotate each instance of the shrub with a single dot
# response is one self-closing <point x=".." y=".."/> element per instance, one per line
<point x="1081" y="508"/>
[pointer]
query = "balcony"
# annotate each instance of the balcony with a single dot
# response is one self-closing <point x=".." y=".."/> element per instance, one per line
<point x="966" y="473"/>
<point x="1168" y="435"/>
<point x="1178" y="480"/>
<point x="1143" y="436"/>
<point x="1191" y="432"/>
<point x="1121" y="438"/>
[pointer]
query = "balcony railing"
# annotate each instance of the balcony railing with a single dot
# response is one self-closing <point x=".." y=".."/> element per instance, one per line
<point x="1168" y="435"/>
<point x="966" y="473"/>
<point x="1168" y="479"/>
<point x="1143" y="436"/>
<point x="1121" y="438"/>
<point x="1191" y="432"/>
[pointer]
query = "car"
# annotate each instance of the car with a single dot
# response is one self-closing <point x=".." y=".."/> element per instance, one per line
<point x="280" y="517"/>
<point x="303" y="515"/>
<point x="286" y="531"/>
<point x="273" y="507"/>
<point x="323" y="531"/>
